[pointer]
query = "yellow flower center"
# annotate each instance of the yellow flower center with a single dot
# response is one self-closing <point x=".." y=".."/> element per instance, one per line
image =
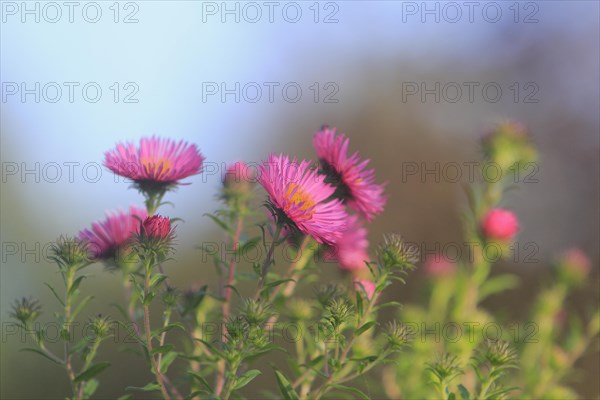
<point x="295" y="196"/>
<point x="158" y="168"/>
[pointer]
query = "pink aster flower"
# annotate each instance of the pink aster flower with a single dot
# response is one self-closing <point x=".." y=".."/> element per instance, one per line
<point x="500" y="224"/>
<point x="367" y="286"/>
<point x="106" y="238"/>
<point x="157" y="164"/>
<point x="355" y="182"/>
<point x="299" y="197"/>
<point x="351" y="250"/>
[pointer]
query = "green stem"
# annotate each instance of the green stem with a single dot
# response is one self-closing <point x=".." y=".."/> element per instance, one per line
<point x="155" y="366"/>
<point x="268" y="261"/>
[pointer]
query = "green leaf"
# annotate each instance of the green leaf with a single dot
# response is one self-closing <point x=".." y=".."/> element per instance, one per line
<point x="451" y="396"/>
<point x="90" y="388"/>
<point x="91" y="372"/>
<point x="498" y="284"/>
<point x="201" y="380"/>
<point x="246" y="378"/>
<point x="125" y="397"/>
<point x="156" y="280"/>
<point x="41" y="353"/>
<point x="278" y="282"/>
<point x="75" y="285"/>
<point x="81" y="306"/>
<point x="285" y="387"/>
<point x="364" y="328"/>
<point x="162" y="349"/>
<point x="169" y="327"/>
<point x="55" y="294"/>
<point x="359" y="304"/>
<point x="151" y="387"/>
<point x="464" y="393"/>
<point x="351" y="390"/>
<point x="167" y="360"/>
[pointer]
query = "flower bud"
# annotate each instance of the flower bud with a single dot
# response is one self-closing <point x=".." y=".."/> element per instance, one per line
<point x="70" y="253"/>
<point x="438" y="266"/>
<point x="397" y="335"/>
<point x="509" y="146"/>
<point x="500" y="224"/>
<point x="156" y="227"/>
<point x="26" y="310"/>
<point x="100" y="326"/>
<point x="395" y="253"/>
<point x="365" y="286"/>
<point x="155" y="236"/>
<point x="574" y="266"/>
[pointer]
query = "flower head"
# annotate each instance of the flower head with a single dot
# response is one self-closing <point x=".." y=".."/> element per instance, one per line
<point x="351" y="250"/>
<point x="107" y="238"/>
<point x="500" y="224"/>
<point x="366" y="285"/>
<point x="355" y="183"/>
<point x="301" y="199"/>
<point x="156" y="165"/>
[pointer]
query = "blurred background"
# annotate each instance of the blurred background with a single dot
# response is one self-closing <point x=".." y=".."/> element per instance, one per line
<point x="411" y="83"/>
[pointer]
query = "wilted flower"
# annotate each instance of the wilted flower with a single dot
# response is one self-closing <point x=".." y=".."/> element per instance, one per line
<point x="351" y="250"/>
<point x="355" y="183"/>
<point x="500" y="224"/>
<point x="299" y="197"/>
<point x="157" y="165"/>
<point x="106" y="239"/>
<point x="26" y="310"/>
<point x="395" y="253"/>
<point x="365" y="285"/>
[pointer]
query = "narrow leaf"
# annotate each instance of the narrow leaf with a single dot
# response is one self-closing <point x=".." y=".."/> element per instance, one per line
<point x="364" y="328"/>
<point x="41" y="353"/>
<point x="91" y="372"/>
<point x="285" y="387"/>
<point x="246" y="378"/>
<point x="55" y="294"/>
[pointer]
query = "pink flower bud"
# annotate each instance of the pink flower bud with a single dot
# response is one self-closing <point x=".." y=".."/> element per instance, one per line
<point x="500" y="224"/>
<point x="368" y="286"/>
<point x="577" y="261"/>
<point x="438" y="266"/>
<point x="156" y="227"/>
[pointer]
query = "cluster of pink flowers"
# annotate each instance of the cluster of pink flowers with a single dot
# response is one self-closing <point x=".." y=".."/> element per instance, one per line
<point x="331" y="203"/>
<point x="156" y="165"/>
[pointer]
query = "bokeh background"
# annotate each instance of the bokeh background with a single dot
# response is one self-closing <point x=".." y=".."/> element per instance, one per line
<point x="363" y="54"/>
